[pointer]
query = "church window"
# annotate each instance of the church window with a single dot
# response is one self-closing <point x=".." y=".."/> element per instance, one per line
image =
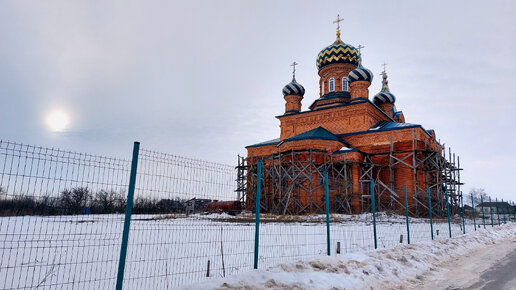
<point x="322" y="90"/>
<point x="345" y="84"/>
<point x="332" y="85"/>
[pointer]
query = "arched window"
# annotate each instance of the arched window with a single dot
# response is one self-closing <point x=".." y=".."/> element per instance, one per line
<point x="332" y="85"/>
<point x="322" y="89"/>
<point x="345" y="84"/>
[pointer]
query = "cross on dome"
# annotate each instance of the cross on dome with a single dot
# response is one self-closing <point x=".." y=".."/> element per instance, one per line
<point x="384" y="72"/>
<point x="338" y="24"/>
<point x="294" y="69"/>
<point x="385" y="82"/>
<point x="359" y="48"/>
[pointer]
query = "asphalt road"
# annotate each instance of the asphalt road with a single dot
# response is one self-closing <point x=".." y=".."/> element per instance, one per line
<point x="501" y="276"/>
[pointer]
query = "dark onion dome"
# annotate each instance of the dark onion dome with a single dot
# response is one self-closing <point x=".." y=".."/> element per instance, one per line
<point x="360" y="74"/>
<point x="338" y="52"/>
<point x="384" y="96"/>
<point x="293" y="88"/>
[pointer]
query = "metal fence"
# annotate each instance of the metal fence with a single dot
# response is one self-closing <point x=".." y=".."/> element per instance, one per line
<point x="50" y="236"/>
<point x="66" y="222"/>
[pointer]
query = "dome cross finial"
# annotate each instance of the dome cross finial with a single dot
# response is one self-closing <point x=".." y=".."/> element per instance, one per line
<point x="359" y="47"/>
<point x="338" y="24"/>
<point x="294" y="69"/>
<point x="385" y="82"/>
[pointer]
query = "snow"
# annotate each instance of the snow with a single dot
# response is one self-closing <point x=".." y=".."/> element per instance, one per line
<point x="167" y="251"/>
<point x="403" y="265"/>
<point x="345" y="148"/>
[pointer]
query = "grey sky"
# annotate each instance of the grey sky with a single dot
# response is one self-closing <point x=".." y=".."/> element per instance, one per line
<point x="204" y="78"/>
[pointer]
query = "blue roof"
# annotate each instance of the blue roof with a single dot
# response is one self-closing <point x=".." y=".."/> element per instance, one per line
<point x="387" y="126"/>
<point x="265" y="143"/>
<point x="318" y="133"/>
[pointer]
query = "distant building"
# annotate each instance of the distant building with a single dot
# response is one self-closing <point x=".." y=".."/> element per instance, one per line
<point x="499" y="207"/>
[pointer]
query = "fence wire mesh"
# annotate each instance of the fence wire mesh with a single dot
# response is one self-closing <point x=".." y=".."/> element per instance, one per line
<point x="174" y="245"/>
<point x="59" y="226"/>
<point x="62" y="216"/>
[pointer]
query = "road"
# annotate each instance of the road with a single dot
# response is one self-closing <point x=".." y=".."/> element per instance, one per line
<point x="501" y="276"/>
<point x="492" y="267"/>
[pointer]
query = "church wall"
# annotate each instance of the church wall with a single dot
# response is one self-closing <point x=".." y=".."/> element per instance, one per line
<point x="326" y="145"/>
<point x="338" y="120"/>
<point x="336" y="71"/>
<point x="261" y="151"/>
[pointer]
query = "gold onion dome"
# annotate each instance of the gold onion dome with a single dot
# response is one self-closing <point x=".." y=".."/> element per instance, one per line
<point x="338" y="52"/>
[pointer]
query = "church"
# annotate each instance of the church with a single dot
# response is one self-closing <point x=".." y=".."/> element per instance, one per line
<point x="355" y="138"/>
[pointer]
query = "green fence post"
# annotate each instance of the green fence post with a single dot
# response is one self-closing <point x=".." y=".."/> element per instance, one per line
<point x="483" y="212"/>
<point x="406" y="216"/>
<point x="448" y="212"/>
<point x="127" y="220"/>
<point x="463" y="223"/>
<point x="257" y="213"/>
<point x="503" y="212"/>
<point x="430" y="213"/>
<point x="474" y="214"/>
<point x="374" y="214"/>
<point x="327" y="190"/>
<point x="491" y="211"/>
<point x="514" y="211"/>
<point x="497" y="210"/>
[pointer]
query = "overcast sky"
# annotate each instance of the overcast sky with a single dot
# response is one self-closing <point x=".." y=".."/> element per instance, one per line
<point x="203" y="78"/>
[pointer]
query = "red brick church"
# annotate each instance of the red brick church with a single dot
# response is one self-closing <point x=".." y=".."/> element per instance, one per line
<point x="352" y="136"/>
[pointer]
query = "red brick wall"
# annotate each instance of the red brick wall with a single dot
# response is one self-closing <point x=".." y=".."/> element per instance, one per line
<point x="293" y="102"/>
<point x="339" y="120"/>
<point x="359" y="89"/>
<point x="336" y="71"/>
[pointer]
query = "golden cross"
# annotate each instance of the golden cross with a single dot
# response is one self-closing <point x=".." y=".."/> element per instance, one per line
<point x="384" y="65"/>
<point x="338" y="22"/>
<point x="294" y="70"/>
<point x="359" y="48"/>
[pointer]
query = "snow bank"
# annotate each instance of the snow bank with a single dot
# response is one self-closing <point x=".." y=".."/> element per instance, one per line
<point x="386" y="268"/>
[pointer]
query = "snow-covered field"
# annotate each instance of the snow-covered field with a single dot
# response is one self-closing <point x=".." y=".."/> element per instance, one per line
<point x="82" y="252"/>
<point x="426" y="265"/>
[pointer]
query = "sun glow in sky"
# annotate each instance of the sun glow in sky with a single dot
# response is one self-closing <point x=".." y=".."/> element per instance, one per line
<point x="57" y="121"/>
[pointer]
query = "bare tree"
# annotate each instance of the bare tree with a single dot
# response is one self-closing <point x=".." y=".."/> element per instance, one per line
<point x="479" y="194"/>
<point x="108" y="202"/>
<point x="74" y="200"/>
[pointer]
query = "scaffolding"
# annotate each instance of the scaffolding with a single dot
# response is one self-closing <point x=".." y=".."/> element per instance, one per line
<point x="292" y="182"/>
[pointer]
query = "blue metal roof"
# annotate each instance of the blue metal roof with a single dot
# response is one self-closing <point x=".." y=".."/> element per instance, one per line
<point x="265" y="143"/>
<point x="387" y="126"/>
<point x="318" y="133"/>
